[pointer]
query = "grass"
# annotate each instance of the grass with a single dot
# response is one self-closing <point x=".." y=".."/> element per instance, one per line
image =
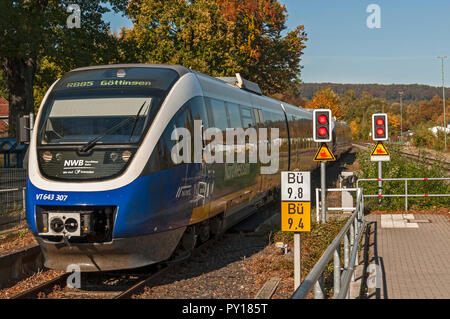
<point x="400" y="167"/>
<point x="313" y="245"/>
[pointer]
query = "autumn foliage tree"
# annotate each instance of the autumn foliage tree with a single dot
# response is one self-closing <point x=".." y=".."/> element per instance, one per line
<point x="33" y="29"/>
<point x="326" y="99"/>
<point x="218" y="37"/>
<point x="262" y="53"/>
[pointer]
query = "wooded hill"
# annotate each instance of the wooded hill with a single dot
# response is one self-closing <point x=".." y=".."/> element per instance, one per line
<point x="412" y="92"/>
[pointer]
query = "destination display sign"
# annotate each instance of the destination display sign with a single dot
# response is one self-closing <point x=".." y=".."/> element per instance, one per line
<point x="108" y="83"/>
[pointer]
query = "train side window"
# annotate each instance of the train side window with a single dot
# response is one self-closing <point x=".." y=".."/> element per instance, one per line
<point x="198" y="110"/>
<point x="161" y="159"/>
<point x="247" y="117"/>
<point x="261" y="118"/>
<point x="267" y="118"/>
<point x="219" y="114"/>
<point x="235" y="116"/>
<point x="256" y="116"/>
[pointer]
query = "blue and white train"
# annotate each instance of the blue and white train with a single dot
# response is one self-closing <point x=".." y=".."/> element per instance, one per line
<point x="102" y="189"/>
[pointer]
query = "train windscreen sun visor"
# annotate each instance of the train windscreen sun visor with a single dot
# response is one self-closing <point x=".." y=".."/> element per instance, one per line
<point x="79" y="121"/>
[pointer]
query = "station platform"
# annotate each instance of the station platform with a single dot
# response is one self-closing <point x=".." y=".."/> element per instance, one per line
<point x="413" y="255"/>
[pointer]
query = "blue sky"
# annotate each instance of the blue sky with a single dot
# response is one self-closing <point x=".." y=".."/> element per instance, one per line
<point x="342" y="49"/>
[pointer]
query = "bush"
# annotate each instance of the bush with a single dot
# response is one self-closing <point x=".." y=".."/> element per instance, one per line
<point x="423" y="137"/>
<point x="314" y="244"/>
<point x="400" y="167"/>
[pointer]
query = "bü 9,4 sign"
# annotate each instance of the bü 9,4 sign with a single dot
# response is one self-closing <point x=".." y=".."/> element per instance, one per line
<point x="296" y="201"/>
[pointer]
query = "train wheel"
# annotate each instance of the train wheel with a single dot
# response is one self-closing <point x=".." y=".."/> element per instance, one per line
<point x="189" y="239"/>
<point x="217" y="226"/>
<point x="204" y="231"/>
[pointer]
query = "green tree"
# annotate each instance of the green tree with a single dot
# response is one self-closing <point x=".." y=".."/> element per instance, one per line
<point x="193" y="34"/>
<point x="3" y="88"/>
<point x="32" y="29"/>
<point x="263" y="54"/>
<point x="219" y="38"/>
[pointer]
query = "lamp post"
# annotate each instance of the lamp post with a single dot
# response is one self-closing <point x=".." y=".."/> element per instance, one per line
<point x="401" y="115"/>
<point x="443" y="98"/>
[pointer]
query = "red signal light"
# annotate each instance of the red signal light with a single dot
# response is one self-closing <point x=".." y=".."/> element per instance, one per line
<point x="322" y="119"/>
<point x="380" y="121"/>
<point x="322" y="131"/>
<point x="380" y="131"/>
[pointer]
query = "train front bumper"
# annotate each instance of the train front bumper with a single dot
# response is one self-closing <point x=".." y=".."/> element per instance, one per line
<point x="120" y="253"/>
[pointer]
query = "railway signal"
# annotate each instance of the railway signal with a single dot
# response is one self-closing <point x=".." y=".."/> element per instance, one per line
<point x="380" y="153"/>
<point x="322" y="133"/>
<point x="380" y="127"/>
<point x="322" y="125"/>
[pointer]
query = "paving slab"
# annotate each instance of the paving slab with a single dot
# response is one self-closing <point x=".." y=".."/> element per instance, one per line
<point x="413" y="260"/>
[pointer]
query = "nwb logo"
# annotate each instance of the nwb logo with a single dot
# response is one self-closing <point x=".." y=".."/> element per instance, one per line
<point x="73" y="163"/>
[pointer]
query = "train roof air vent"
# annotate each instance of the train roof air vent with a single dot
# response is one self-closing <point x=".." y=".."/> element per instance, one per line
<point x="242" y="83"/>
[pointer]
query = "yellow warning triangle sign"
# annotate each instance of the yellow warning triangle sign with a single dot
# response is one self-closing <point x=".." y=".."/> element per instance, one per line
<point x="380" y="150"/>
<point x="324" y="154"/>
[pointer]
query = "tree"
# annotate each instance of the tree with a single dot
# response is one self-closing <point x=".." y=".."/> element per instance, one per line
<point x="263" y="54"/>
<point x="355" y="129"/>
<point x="193" y="34"/>
<point x="219" y="38"/>
<point x="32" y="29"/>
<point x="394" y="124"/>
<point x="3" y="89"/>
<point x="326" y="99"/>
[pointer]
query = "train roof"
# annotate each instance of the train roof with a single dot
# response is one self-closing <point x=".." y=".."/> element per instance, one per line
<point x="181" y="70"/>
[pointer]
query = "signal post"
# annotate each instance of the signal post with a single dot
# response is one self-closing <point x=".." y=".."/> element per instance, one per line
<point x="322" y="133"/>
<point x="380" y="153"/>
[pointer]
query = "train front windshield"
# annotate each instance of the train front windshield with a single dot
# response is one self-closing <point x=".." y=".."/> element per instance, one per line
<point x="117" y="120"/>
<point x="94" y="121"/>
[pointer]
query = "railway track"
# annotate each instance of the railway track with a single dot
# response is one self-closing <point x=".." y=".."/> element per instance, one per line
<point x="107" y="285"/>
<point x="114" y="284"/>
<point x="427" y="159"/>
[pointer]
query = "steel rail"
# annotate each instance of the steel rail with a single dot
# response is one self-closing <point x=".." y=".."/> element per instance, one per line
<point x="45" y="287"/>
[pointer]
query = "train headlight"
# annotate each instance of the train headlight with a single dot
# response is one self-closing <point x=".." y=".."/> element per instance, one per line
<point x="71" y="225"/>
<point x="58" y="157"/>
<point x="57" y="225"/>
<point x="126" y="156"/>
<point x="47" y="156"/>
<point x="113" y="156"/>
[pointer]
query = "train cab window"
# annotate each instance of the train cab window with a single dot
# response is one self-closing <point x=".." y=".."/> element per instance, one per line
<point x="235" y="116"/>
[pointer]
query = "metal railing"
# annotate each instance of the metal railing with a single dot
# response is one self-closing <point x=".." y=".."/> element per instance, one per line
<point x="406" y="195"/>
<point x="12" y="195"/>
<point x="351" y="235"/>
<point x="319" y="203"/>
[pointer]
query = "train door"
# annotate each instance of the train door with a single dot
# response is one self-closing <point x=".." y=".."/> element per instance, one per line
<point x="258" y="115"/>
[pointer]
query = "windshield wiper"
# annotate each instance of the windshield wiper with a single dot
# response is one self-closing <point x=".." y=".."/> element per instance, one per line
<point x="136" y="121"/>
<point x="86" y="147"/>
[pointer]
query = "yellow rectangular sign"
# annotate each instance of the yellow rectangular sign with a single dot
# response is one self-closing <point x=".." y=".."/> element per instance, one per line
<point x="296" y="216"/>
